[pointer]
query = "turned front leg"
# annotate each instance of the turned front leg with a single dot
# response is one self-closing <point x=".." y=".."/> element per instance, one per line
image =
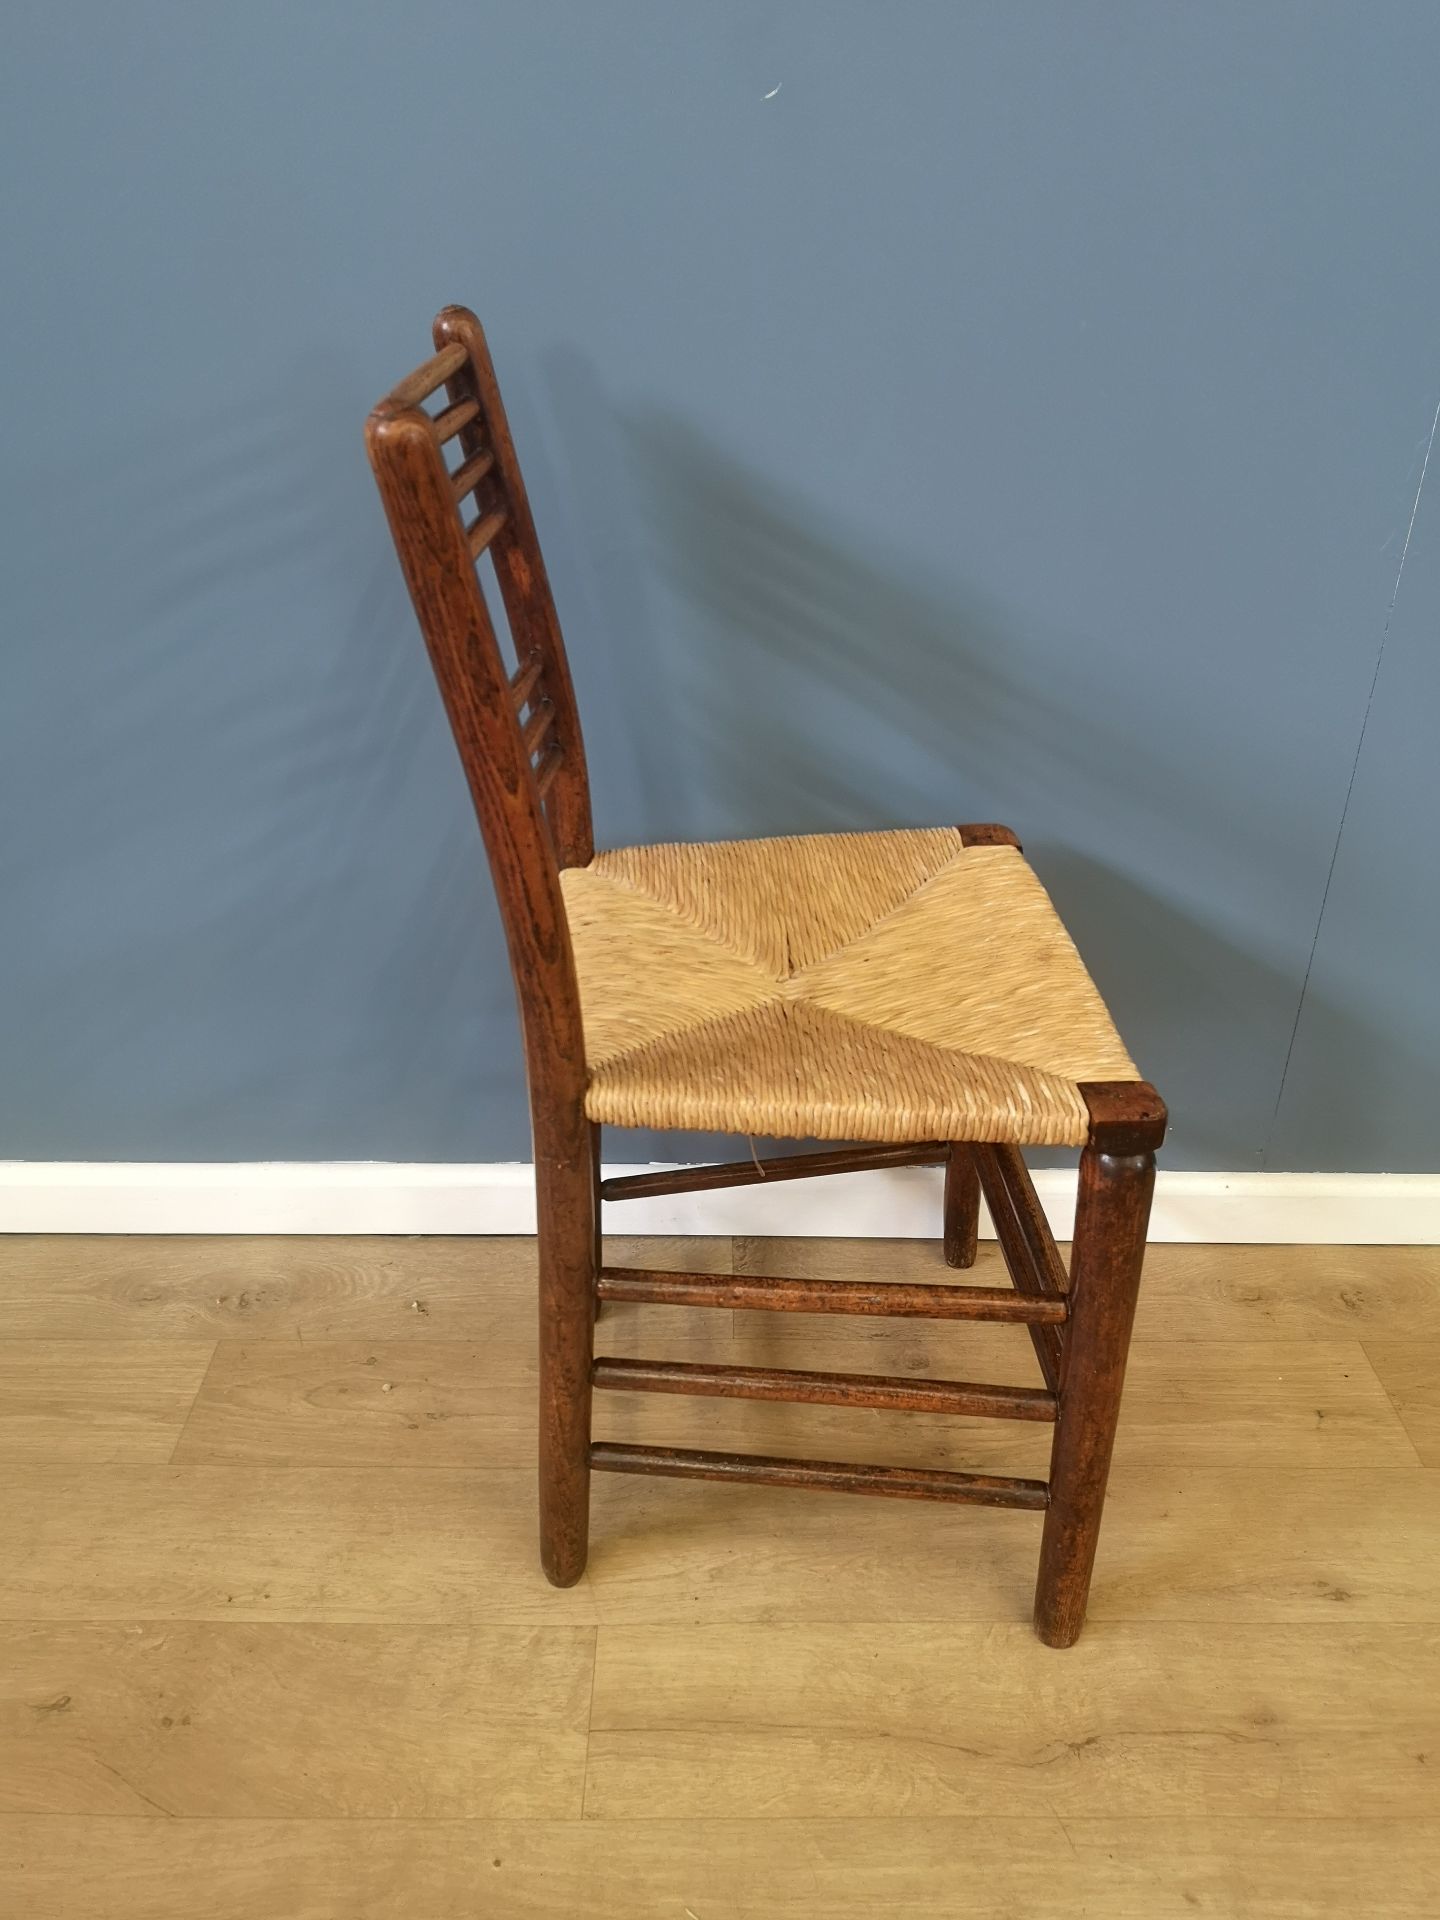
<point x="1112" y="1213"/>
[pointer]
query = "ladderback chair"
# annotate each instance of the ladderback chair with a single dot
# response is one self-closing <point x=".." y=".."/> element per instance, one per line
<point x="912" y="991"/>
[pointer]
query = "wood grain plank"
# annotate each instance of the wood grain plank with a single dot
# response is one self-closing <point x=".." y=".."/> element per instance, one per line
<point x="294" y="1721"/>
<point x="180" y="1287"/>
<point x="841" y="1722"/>
<point x="977" y="1869"/>
<point x="1407" y="1370"/>
<point x="1290" y="1403"/>
<point x="358" y="1639"/>
<point x="1219" y="1403"/>
<point x="407" y="1403"/>
<point x="414" y="1403"/>
<point x="100" y="1400"/>
<point x="1180" y="1544"/>
<point x="1188" y="1292"/>
<point x="261" y="1543"/>
<point x="1288" y="1293"/>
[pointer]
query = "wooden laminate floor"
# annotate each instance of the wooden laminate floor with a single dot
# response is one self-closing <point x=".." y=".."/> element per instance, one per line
<point x="274" y="1644"/>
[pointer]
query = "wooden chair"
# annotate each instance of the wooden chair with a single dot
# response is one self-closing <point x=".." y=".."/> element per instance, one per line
<point x="913" y="991"/>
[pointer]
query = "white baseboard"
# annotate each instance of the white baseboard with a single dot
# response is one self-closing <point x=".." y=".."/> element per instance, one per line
<point x="380" y="1197"/>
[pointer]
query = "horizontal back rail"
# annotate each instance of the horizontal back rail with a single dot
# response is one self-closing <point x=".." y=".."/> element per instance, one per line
<point x="449" y="422"/>
<point x="537" y="727"/>
<point x="428" y="378"/>
<point x="483" y="529"/>
<point x="525" y="680"/>
<point x="548" y="769"/>
<point x="466" y="478"/>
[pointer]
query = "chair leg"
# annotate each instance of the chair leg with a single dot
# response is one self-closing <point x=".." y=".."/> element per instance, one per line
<point x="600" y="1305"/>
<point x="1111" y="1217"/>
<point x="568" y="1213"/>
<point x="962" y="1207"/>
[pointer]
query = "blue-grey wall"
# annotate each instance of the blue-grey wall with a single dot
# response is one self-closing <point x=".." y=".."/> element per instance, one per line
<point x="932" y="412"/>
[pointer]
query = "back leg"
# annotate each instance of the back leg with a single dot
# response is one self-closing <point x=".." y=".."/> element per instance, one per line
<point x="962" y="1207"/>
<point x="568" y="1208"/>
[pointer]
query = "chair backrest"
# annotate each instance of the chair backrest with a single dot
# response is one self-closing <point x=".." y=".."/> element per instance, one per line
<point x="445" y="464"/>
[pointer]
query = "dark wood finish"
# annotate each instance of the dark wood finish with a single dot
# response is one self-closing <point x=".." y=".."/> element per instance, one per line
<point x="988" y="836"/>
<point x="1025" y="1242"/>
<point x="466" y="478"/>
<point x="822" y="1476"/>
<point x="548" y="770"/>
<point x="520" y="745"/>
<point x="447" y="424"/>
<point x="566" y="1217"/>
<point x="524" y="583"/>
<point x="797" y="1166"/>
<point x="536" y="729"/>
<point x="759" y="1292"/>
<point x="525" y="680"/>
<point x="416" y="388"/>
<point x="1126" y="1116"/>
<point x="894" y="1393"/>
<point x="1111" y="1217"/>
<point x="483" y="530"/>
<point x="528" y="832"/>
<point x="1041" y="1252"/>
<point x="597" y="1243"/>
<point x="961" y="1208"/>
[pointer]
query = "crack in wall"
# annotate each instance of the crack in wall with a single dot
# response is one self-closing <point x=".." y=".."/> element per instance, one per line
<point x="1350" y="788"/>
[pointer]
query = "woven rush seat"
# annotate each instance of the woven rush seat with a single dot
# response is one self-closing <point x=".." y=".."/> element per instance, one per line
<point x="890" y="986"/>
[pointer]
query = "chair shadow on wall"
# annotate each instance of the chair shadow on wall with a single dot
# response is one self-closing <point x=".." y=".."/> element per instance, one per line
<point x="258" y="641"/>
<point x="261" y="774"/>
<point x="833" y="686"/>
